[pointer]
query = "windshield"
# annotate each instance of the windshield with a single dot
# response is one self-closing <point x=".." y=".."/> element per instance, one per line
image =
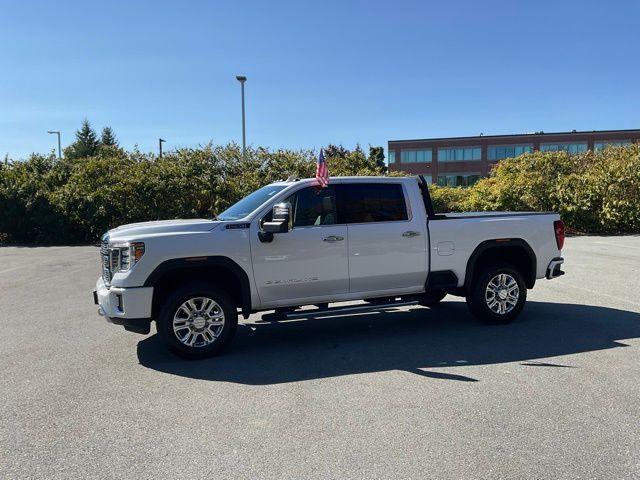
<point x="250" y="203"/>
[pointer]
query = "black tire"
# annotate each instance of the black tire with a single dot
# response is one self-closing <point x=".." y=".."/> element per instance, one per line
<point x="504" y="310"/>
<point x="209" y="337"/>
<point x="431" y="299"/>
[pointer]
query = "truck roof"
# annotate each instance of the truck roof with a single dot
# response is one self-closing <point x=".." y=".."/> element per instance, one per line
<point x="381" y="179"/>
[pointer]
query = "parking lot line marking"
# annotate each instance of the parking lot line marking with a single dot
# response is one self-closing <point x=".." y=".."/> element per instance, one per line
<point x="596" y="293"/>
<point x="11" y="269"/>
<point x="618" y="245"/>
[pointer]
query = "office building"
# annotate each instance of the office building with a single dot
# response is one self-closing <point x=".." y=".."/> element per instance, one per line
<point x="461" y="161"/>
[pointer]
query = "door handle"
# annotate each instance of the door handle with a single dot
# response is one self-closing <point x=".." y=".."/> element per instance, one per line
<point x="333" y="238"/>
<point x="411" y="233"/>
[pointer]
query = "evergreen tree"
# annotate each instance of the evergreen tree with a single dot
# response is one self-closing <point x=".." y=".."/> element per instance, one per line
<point x="376" y="154"/>
<point x="86" y="144"/>
<point x="335" y="151"/>
<point x="108" y="138"/>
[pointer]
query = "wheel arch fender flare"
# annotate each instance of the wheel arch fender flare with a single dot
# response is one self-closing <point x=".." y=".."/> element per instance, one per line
<point x="495" y="245"/>
<point x="186" y="263"/>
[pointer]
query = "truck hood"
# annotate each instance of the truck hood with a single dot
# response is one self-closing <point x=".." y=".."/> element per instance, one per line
<point x="144" y="229"/>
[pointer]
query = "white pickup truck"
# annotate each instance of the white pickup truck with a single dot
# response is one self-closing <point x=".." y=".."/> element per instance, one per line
<point x="292" y="243"/>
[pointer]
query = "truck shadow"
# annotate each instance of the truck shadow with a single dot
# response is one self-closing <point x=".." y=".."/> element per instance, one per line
<point x="411" y="341"/>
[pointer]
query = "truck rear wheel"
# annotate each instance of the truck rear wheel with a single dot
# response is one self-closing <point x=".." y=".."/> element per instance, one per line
<point x="497" y="294"/>
<point x="197" y="320"/>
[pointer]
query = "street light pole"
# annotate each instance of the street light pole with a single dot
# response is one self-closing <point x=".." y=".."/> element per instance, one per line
<point x="59" y="150"/>
<point x="242" y="79"/>
<point x="160" y="142"/>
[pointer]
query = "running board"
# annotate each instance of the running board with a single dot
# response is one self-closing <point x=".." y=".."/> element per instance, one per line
<point x="348" y="309"/>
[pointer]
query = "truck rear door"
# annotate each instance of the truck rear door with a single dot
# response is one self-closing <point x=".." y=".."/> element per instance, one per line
<point x="387" y="240"/>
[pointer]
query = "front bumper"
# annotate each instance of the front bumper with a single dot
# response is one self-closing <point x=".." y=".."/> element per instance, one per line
<point x="130" y="307"/>
<point x="553" y="270"/>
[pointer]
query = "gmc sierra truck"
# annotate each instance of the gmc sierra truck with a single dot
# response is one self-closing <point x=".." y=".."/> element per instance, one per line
<point x="292" y="244"/>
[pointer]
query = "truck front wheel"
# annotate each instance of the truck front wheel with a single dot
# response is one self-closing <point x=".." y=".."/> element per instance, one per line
<point x="197" y="320"/>
<point x="497" y="294"/>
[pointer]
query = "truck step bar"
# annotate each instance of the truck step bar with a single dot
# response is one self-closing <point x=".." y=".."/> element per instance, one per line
<point x="283" y="315"/>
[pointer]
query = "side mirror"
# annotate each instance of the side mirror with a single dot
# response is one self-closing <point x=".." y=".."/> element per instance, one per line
<point x="281" y="219"/>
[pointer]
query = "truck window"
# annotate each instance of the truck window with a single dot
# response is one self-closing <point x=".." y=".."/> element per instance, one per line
<point x="371" y="202"/>
<point x="250" y="203"/>
<point x="313" y="206"/>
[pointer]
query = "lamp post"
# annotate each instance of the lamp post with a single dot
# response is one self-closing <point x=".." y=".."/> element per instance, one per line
<point x="242" y="79"/>
<point x="59" y="150"/>
<point x="160" y="142"/>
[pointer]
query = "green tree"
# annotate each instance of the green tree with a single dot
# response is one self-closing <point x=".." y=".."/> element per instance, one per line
<point x="376" y="154"/>
<point x="108" y="138"/>
<point x="333" y="151"/>
<point x="86" y="144"/>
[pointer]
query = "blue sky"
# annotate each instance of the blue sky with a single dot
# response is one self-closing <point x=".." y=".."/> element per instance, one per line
<point x="318" y="72"/>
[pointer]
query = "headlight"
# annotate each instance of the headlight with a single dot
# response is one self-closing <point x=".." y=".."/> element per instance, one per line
<point x="125" y="255"/>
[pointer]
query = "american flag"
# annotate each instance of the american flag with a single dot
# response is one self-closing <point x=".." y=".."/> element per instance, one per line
<point x="322" y="171"/>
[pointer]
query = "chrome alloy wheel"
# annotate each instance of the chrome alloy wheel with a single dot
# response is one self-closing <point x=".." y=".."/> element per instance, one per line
<point x="502" y="293"/>
<point x="198" y="322"/>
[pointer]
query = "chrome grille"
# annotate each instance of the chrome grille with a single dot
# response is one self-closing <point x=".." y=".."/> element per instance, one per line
<point x="105" y="260"/>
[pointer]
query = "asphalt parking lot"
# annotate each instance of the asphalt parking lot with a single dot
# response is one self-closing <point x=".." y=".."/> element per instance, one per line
<point x="410" y="393"/>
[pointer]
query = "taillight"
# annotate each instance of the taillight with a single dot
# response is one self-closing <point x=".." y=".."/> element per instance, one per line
<point x="558" y="227"/>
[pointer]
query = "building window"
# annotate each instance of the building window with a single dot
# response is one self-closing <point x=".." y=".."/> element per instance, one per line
<point x="459" y="154"/>
<point x="415" y="156"/>
<point x="428" y="179"/>
<point x="498" y="152"/>
<point x="563" y="147"/>
<point x="458" y="179"/>
<point x="598" y="146"/>
<point x="392" y="156"/>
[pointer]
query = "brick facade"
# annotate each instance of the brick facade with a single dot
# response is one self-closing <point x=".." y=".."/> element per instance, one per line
<point x="483" y="166"/>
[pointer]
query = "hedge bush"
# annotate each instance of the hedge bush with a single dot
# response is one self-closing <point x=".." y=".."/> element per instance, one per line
<point x="594" y="192"/>
<point x="448" y="199"/>
<point x="43" y="200"/>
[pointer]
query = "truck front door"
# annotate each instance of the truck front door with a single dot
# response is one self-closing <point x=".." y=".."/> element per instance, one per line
<point x="309" y="263"/>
